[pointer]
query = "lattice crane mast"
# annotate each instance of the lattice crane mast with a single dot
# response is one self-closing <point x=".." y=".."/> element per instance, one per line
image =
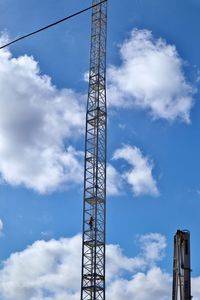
<point x="93" y="241"/>
<point x="181" y="266"/>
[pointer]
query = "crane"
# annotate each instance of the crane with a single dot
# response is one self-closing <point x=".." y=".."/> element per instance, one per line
<point x="181" y="266"/>
<point x="94" y="204"/>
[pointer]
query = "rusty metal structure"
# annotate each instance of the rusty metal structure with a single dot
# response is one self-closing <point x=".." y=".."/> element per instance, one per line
<point x="181" y="266"/>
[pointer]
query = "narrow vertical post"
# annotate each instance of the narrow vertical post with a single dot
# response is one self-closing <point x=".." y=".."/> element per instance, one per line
<point x="181" y="266"/>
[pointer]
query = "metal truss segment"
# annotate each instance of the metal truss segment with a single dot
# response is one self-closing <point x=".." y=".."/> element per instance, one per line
<point x="93" y="249"/>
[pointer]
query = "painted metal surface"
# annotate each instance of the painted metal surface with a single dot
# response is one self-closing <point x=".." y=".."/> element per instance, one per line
<point x="181" y="266"/>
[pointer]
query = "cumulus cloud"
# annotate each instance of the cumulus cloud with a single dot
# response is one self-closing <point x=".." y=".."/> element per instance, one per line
<point x="155" y="284"/>
<point x="140" y="175"/>
<point x="45" y="269"/>
<point x="114" y="181"/>
<point x="117" y="262"/>
<point x="153" y="246"/>
<point x="51" y="270"/>
<point x="37" y="124"/>
<point x="39" y="121"/>
<point x="151" y="77"/>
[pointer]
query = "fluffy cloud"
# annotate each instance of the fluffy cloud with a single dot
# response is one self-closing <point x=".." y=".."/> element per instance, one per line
<point x="114" y="181"/>
<point x="155" y="284"/>
<point x="36" y="125"/>
<point x="140" y="175"/>
<point x="51" y="270"/>
<point x="45" y="270"/>
<point x="117" y="262"/>
<point x="151" y="77"/>
<point x="153" y="246"/>
<point x="39" y="121"/>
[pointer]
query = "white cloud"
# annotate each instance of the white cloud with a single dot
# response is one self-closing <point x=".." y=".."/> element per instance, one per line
<point x="140" y="175"/>
<point x="152" y="285"/>
<point x="114" y="181"/>
<point x="151" y="77"/>
<point x="117" y="262"/>
<point x="51" y="271"/>
<point x="45" y="268"/>
<point x="37" y="124"/>
<point x="38" y="121"/>
<point x="153" y="246"/>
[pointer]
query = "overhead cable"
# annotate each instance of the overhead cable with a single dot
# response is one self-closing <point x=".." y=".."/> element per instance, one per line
<point x="51" y="25"/>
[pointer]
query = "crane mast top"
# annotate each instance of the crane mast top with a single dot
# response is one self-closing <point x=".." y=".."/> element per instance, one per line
<point x="181" y="266"/>
<point x="94" y="210"/>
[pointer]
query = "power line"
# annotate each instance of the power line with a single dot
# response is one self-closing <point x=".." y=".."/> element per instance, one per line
<point x="51" y="25"/>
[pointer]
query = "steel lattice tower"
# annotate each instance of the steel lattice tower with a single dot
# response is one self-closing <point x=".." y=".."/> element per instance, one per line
<point x="93" y="249"/>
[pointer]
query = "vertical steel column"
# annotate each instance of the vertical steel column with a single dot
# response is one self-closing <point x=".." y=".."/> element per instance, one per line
<point x="181" y="267"/>
<point x="93" y="248"/>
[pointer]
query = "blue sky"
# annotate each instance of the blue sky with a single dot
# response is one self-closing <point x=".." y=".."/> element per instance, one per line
<point x="154" y="118"/>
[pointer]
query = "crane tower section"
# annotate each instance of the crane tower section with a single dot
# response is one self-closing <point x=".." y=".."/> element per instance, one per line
<point x="181" y="267"/>
<point x="93" y="243"/>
